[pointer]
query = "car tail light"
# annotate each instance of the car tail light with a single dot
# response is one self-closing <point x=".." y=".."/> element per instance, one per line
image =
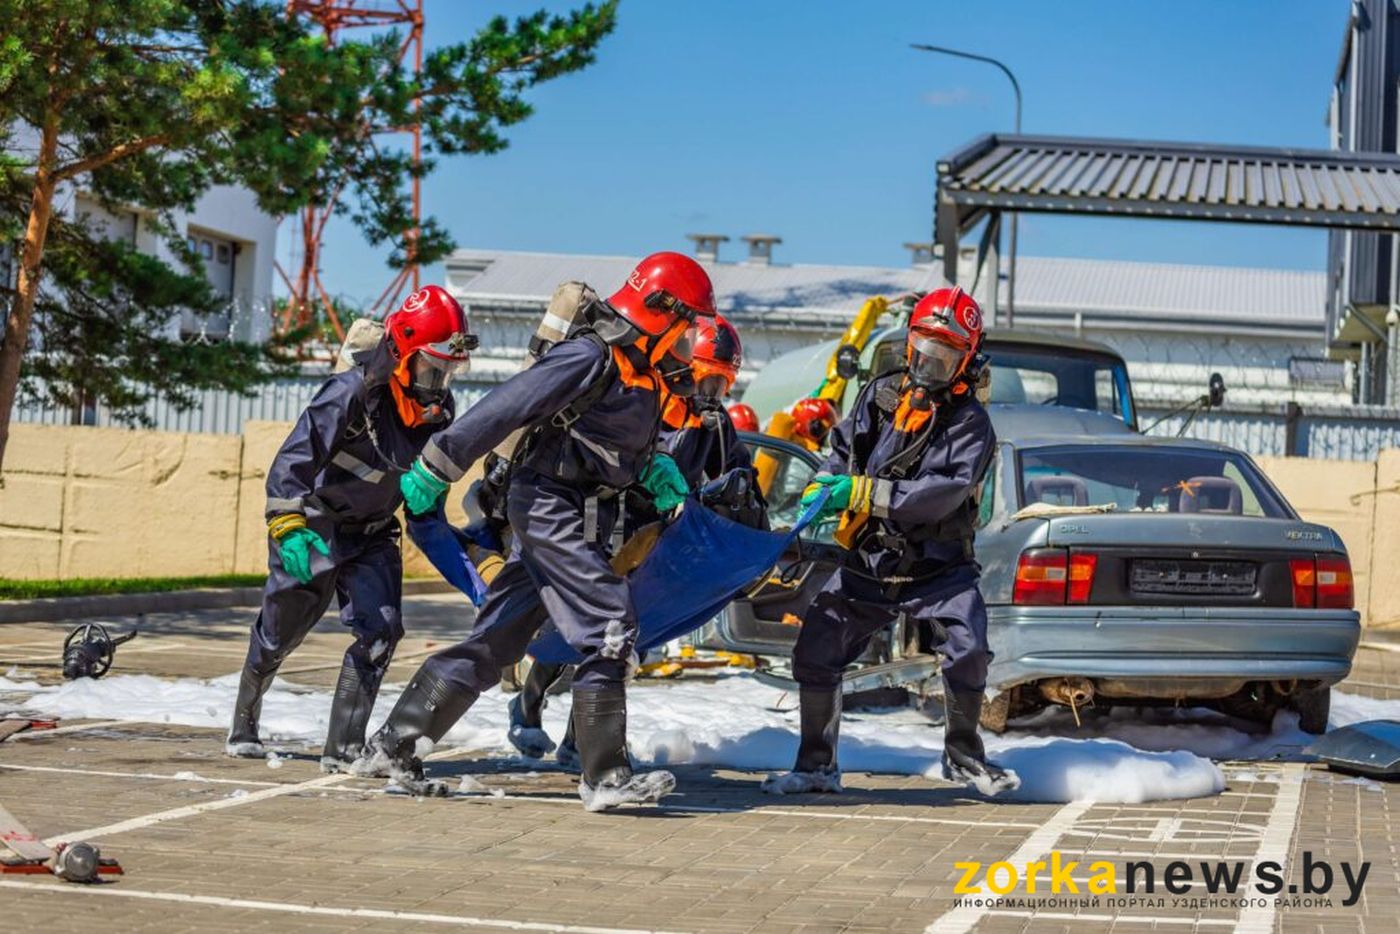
<point x="1041" y="577"/>
<point x="1334" y="588"/>
<point x="1304" y="582"/>
<point x="1081" y="576"/>
<point x="1324" y="583"/>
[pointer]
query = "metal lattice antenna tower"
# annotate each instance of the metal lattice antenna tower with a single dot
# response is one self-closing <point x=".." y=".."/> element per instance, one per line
<point x="308" y="292"/>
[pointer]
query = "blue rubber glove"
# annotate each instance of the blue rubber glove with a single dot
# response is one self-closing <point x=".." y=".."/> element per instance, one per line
<point x="665" y="482"/>
<point x="295" y="550"/>
<point x="421" y="489"/>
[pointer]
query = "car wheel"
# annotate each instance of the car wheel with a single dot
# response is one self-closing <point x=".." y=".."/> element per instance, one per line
<point x="1313" y="707"/>
<point x="995" y="713"/>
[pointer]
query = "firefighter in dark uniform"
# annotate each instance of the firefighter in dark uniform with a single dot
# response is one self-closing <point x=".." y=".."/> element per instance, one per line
<point x="332" y="491"/>
<point x="902" y="471"/>
<point x="594" y="404"/>
<point x="697" y="432"/>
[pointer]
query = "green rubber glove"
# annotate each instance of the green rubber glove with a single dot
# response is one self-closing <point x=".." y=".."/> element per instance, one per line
<point x="665" y="482"/>
<point x="839" y="501"/>
<point x="295" y="550"/>
<point x="421" y="489"/>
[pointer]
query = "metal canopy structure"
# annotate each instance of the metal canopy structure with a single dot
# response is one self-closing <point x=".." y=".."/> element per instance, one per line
<point x="1133" y="178"/>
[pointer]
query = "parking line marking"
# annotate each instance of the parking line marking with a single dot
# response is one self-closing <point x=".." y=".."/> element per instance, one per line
<point x="189" y="810"/>
<point x="964" y="917"/>
<point x="322" y="910"/>
<point x="1123" y="919"/>
<point x="160" y="817"/>
<point x="75" y="728"/>
<point x="151" y="775"/>
<point x="1274" y="845"/>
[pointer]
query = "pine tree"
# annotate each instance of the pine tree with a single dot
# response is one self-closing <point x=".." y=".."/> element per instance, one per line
<point x="147" y="103"/>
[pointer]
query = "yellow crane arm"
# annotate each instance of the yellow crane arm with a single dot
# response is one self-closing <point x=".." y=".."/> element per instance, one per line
<point x="857" y="335"/>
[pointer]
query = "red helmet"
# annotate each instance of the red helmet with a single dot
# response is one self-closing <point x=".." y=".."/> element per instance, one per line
<point x="743" y="416"/>
<point x="431" y="327"/>
<point x="814" y="418"/>
<point x="663" y="288"/>
<point x="945" y="331"/>
<point x="717" y="356"/>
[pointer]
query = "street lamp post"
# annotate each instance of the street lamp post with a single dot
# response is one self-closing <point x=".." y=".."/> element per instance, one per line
<point x="1015" y="86"/>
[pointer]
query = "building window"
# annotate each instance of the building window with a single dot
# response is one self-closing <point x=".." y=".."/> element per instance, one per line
<point x="223" y="253"/>
<point x="1316" y="372"/>
<point x="206" y="249"/>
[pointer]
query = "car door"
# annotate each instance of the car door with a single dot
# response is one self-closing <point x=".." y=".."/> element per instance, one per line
<point x="763" y="621"/>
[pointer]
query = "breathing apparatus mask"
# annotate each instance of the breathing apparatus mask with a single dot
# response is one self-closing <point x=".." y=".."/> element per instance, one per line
<point x="933" y="366"/>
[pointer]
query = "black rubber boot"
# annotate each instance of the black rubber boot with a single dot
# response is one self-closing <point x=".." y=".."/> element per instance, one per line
<point x="350" y="710"/>
<point x="600" y="721"/>
<point x="526" y="732"/>
<point x="964" y="758"/>
<point x="426" y="710"/>
<point x="243" y="742"/>
<point x="567" y="753"/>
<point x="815" y="769"/>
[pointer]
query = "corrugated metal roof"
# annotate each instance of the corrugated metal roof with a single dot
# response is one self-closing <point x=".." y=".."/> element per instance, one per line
<point x="1048" y="285"/>
<point x="484" y="275"/>
<point x="1170" y="291"/>
<point x="1203" y="182"/>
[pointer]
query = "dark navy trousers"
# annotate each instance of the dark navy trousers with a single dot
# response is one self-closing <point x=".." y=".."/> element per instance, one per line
<point x="365" y="573"/>
<point x="558" y="571"/>
<point x="850" y="609"/>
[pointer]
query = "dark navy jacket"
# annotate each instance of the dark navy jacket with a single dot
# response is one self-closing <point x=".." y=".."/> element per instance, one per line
<point x="924" y="505"/>
<point x="607" y="447"/>
<point x="705" y="453"/>
<point x="344" y="456"/>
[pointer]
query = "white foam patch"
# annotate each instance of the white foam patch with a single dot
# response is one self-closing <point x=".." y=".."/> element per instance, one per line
<point x="737" y="722"/>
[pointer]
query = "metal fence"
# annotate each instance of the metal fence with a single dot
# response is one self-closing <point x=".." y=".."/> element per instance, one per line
<point x="217" y="411"/>
<point x="1282" y="397"/>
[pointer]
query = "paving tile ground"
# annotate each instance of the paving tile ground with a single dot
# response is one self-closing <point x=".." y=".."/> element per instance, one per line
<point x="240" y="847"/>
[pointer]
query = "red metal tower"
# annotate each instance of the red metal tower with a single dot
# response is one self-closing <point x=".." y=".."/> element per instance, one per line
<point x="307" y="290"/>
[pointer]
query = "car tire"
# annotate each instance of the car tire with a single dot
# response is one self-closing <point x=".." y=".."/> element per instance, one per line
<point x="1313" y="706"/>
<point x="995" y="713"/>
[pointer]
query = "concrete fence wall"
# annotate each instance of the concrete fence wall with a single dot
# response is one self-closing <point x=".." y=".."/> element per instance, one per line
<point x="108" y="502"/>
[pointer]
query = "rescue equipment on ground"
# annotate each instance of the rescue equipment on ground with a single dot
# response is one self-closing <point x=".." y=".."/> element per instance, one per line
<point x="25" y="854"/>
<point x="89" y="650"/>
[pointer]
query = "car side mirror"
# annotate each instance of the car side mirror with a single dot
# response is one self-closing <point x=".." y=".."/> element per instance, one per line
<point x="1215" y="394"/>
<point x="848" y="361"/>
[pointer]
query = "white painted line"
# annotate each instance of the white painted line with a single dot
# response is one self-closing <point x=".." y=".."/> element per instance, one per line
<point x="1274" y="845"/>
<point x="1121" y="919"/>
<point x="378" y="914"/>
<point x="198" y="779"/>
<point x="75" y="728"/>
<point x="1037" y="846"/>
<point x="1378" y="646"/>
<point x="832" y="815"/>
<point x="160" y="817"/>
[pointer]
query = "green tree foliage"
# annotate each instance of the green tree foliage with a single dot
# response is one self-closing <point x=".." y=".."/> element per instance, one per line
<point x="147" y="103"/>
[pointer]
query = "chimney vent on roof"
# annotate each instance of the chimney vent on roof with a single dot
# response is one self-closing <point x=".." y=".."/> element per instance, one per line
<point x="761" y="248"/>
<point x="920" y="253"/>
<point x="707" y="246"/>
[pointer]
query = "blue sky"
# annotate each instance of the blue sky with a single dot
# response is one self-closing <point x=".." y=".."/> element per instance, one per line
<point x="815" y="121"/>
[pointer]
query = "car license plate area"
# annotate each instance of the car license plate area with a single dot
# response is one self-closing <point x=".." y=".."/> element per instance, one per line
<point x="1193" y="577"/>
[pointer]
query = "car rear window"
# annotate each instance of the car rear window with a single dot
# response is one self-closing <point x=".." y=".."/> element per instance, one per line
<point x="1147" y="479"/>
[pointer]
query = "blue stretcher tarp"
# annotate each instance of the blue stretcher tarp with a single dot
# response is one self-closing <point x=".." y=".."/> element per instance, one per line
<point x="700" y="563"/>
<point x="445" y="546"/>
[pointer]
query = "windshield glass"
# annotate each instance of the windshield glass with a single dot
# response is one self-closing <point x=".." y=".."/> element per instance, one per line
<point x="1147" y="479"/>
<point x="1048" y="376"/>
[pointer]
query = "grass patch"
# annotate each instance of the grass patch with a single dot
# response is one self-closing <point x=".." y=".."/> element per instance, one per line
<point x="88" y="586"/>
